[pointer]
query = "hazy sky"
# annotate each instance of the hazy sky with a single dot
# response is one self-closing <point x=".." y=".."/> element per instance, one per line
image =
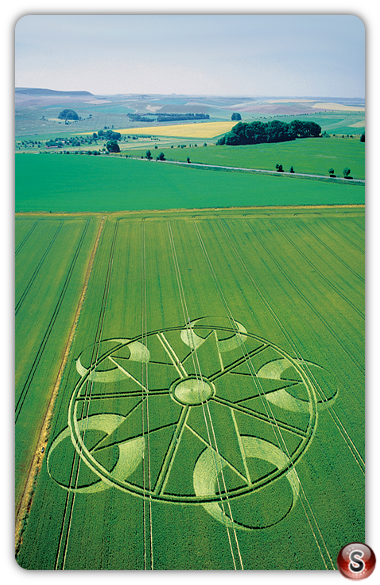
<point x="246" y="55"/>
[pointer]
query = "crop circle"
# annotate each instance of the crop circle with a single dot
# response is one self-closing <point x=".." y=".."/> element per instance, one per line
<point x="227" y="394"/>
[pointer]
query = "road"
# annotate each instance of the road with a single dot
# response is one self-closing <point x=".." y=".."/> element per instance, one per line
<point x="261" y="171"/>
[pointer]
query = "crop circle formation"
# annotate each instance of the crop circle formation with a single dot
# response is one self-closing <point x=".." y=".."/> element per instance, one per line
<point x="200" y="406"/>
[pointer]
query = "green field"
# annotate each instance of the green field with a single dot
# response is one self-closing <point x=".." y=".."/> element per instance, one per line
<point x="81" y="184"/>
<point x="210" y="402"/>
<point x="309" y="155"/>
<point x="51" y="258"/>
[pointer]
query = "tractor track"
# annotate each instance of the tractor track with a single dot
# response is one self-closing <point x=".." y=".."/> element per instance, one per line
<point x="23" y="507"/>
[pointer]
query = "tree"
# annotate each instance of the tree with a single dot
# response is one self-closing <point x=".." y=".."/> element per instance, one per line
<point x="291" y="169"/>
<point x="112" y="146"/>
<point x="188" y="159"/>
<point x="362" y="137"/>
<point x="278" y="131"/>
<point x="161" y="156"/>
<point x="305" y="129"/>
<point x="255" y="133"/>
<point x="279" y="168"/>
<point x="110" y="135"/>
<point x="331" y="172"/>
<point x="236" y="116"/>
<point x="346" y="173"/>
<point x="68" y="115"/>
<point x="314" y="129"/>
<point x="148" y="155"/>
<point x="233" y="138"/>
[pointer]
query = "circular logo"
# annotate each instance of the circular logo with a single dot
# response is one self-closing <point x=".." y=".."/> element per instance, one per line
<point x="196" y="414"/>
<point x="356" y="561"/>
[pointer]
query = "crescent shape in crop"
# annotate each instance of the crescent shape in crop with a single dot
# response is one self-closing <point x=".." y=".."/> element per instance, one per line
<point x="210" y="465"/>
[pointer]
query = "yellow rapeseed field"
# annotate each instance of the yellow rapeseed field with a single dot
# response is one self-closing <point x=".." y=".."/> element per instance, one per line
<point x="203" y="130"/>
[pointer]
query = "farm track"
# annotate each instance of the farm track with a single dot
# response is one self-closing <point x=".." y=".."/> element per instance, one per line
<point x="313" y="524"/>
<point x="206" y="416"/>
<point x="328" y="282"/>
<point x="37" y="269"/>
<point x="75" y="468"/>
<point x="145" y="398"/>
<point x="25" y="501"/>
<point x="37" y="359"/>
<point x="310" y="304"/>
<point x="335" y="229"/>
<point x="333" y="253"/>
<point x="360" y="227"/>
<point x="338" y="423"/>
<point x="26" y="237"/>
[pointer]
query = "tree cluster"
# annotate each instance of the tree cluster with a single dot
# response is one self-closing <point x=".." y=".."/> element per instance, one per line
<point x="274" y="131"/>
<point x="109" y="135"/>
<point x="139" y="118"/>
<point x="68" y="115"/>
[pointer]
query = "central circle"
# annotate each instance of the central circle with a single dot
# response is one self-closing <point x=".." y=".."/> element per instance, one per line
<point x="193" y="391"/>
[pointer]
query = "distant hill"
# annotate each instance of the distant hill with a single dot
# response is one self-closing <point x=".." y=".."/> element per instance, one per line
<point x="39" y="92"/>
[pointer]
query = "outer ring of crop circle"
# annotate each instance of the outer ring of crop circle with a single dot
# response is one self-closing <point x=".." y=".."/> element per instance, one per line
<point x="127" y="487"/>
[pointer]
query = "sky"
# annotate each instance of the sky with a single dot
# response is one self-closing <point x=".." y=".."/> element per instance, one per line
<point x="239" y="55"/>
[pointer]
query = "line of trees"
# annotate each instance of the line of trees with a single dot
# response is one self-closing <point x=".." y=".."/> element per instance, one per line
<point x="274" y="131"/>
<point x="179" y="117"/>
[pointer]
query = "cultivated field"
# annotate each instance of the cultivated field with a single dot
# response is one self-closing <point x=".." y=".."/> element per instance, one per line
<point x="337" y="107"/>
<point x="38" y="115"/>
<point x="309" y="155"/>
<point x="199" y="130"/>
<point x="81" y="184"/>
<point x="208" y="410"/>
<point x="52" y="255"/>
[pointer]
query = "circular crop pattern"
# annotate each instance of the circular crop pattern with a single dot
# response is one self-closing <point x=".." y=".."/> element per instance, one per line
<point x="192" y="390"/>
<point x="196" y="414"/>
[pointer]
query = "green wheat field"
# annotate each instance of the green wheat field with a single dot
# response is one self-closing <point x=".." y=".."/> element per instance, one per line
<point x="206" y="367"/>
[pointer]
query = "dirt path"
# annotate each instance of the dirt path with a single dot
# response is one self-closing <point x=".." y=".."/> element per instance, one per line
<point x="27" y="497"/>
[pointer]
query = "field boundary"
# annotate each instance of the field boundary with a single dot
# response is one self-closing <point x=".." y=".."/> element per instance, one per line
<point x="153" y="213"/>
<point x="36" y="464"/>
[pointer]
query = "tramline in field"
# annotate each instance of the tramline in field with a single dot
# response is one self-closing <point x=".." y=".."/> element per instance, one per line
<point x="208" y="396"/>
